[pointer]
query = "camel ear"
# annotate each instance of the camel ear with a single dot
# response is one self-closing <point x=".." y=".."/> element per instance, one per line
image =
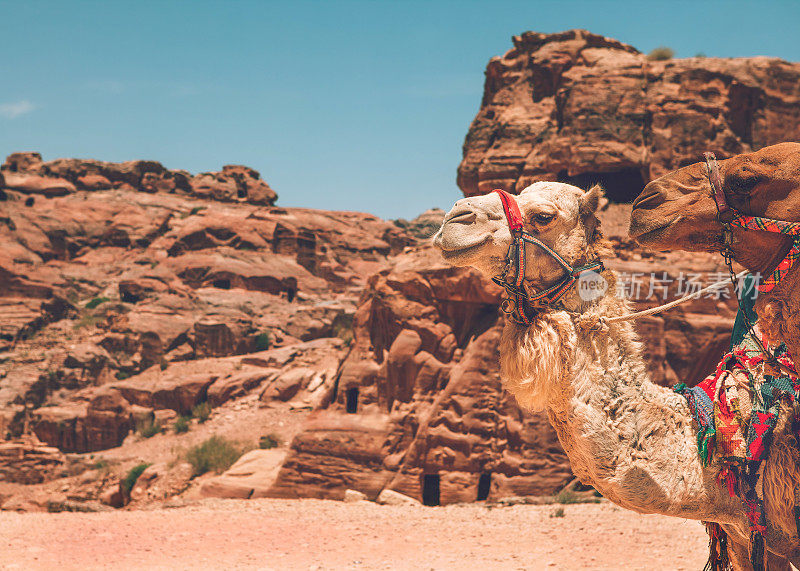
<point x="590" y="201"/>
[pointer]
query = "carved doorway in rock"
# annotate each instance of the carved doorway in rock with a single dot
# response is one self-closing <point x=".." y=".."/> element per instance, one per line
<point x="484" y="486"/>
<point x="351" y="400"/>
<point x="430" y="489"/>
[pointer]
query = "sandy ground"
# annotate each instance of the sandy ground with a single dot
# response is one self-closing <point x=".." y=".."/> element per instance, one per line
<point x="317" y="534"/>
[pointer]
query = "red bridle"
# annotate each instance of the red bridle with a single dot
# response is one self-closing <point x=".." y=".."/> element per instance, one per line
<point x="519" y="301"/>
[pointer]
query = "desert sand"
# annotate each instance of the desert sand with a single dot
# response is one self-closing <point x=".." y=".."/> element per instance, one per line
<point x="318" y="534"/>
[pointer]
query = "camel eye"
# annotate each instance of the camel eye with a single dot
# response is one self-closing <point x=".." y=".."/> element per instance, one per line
<point x="543" y="218"/>
<point x="742" y="181"/>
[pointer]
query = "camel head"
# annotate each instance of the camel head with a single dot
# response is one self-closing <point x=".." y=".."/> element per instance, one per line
<point x="677" y="211"/>
<point x="475" y="231"/>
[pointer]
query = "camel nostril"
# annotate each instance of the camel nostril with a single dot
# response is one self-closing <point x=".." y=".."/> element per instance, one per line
<point x="649" y="198"/>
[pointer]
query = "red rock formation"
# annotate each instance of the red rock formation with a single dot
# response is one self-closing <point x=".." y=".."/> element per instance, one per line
<point x="27" y="173"/>
<point x="580" y="108"/>
<point x="29" y="461"/>
<point x="100" y="284"/>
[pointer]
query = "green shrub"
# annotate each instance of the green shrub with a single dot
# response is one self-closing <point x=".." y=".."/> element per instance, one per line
<point x="216" y="454"/>
<point x="181" y="425"/>
<point x="572" y="497"/>
<point x="661" y="53"/>
<point x="192" y="212"/>
<point x="263" y="341"/>
<point x="148" y="428"/>
<point x="163" y="364"/>
<point x="343" y="328"/>
<point x="88" y="320"/>
<point x="567" y="497"/>
<point x="559" y="512"/>
<point x="133" y="474"/>
<point x="269" y="441"/>
<point x="102" y="464"/>
<point x="122" y="375"/>
<point x="202" y="411"/>
<point x="94" y="302"/>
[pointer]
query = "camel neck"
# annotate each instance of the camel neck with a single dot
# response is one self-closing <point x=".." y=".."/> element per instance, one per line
<point x="628" y="437"/>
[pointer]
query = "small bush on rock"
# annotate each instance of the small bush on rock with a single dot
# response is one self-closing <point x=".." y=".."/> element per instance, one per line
<point x="661" y="53"/>
<point x="263" y="341"/>
<point x="88" y="320"/>
<point x="133" y="474"/>
<point x="181" y="425"/>
<point x="148" y="429"/>
<point x="216" y="454"/>
<point x="94" y="302"/>
<point x="269" y="441"/>
<point x="201" y="412"/>
<point x="572" y="497"/>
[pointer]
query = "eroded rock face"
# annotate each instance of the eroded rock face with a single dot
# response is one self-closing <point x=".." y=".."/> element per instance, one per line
<point x="580" y="108"/>
<point x="115" y="286"/>
<point x="27" y="173"/>
<point x="29" y="461"/>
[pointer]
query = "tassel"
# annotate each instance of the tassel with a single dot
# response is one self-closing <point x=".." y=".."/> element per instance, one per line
<point x="727" y="478"/>
<point x="718" y="548"/>
<point x="704" y="437"/>
<point x="757" y="551"/>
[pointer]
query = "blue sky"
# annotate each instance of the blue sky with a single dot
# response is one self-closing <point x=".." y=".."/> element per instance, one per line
<point x="346" y="105"/>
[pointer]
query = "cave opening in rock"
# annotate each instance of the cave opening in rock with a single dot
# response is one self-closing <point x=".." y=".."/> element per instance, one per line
<point x="222" y="283"/>
<point x="484" y="486"/>
<point x="351" y="400"/>
<point x="621" y="186"/>
<point x="430" y="489"/>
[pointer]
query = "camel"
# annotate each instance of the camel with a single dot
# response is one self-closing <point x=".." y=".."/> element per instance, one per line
<point x="631" y="439"/>
<point x="678" y="212"/>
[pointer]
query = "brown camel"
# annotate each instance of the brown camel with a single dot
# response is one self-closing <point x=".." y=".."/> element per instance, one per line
<point x="677" y="212"/>
<point x="631" y="439"/>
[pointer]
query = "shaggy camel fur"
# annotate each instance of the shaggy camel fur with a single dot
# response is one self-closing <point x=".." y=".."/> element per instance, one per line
<point x="677" y="212"/>
<point x="629" y="438"/>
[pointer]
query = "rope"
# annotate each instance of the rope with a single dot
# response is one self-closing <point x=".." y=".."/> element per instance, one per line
<point x="671" y="304"/>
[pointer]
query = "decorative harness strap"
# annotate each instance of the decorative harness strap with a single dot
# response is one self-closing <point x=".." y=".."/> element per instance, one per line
<point x="518" y="298"/>
<point x="729" y="216"/>
<point x="779" y="227"/>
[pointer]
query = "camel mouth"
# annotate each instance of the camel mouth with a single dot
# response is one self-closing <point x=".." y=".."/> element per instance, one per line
<point x="647" y="234"/>
<point x="455" y="253"/>
<point x="650" y="235"/>
<point x="459" y="216"/>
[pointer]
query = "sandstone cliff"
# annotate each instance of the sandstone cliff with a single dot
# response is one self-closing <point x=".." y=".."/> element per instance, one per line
<point x="581" y="108"/>
<point x="126" y="289"/>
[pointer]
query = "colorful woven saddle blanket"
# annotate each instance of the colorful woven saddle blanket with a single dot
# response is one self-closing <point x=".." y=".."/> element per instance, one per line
<point x="736" y="409"/>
